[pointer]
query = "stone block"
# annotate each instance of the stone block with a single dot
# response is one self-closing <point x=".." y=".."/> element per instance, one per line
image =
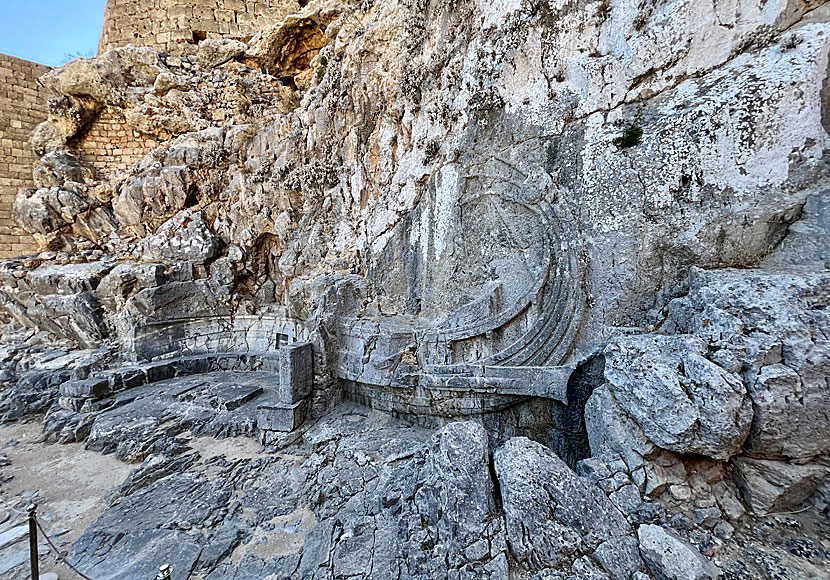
<point x="96" y="405"/>
<point x="282" y="418"/>
<point x="72" y="403"/>
<point x="296" y="372"/>
<point x="128" y="378"/>
<point x="94" y="387"/>
<point x="772" y="486"/>
<point x="192" y="365"/>
<point x="159" y="371"/>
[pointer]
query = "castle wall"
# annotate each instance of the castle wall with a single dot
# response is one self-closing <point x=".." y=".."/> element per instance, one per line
<point x="110" y="144"/>
<point x="176" y="26"/>
<point x="22" y="107"/>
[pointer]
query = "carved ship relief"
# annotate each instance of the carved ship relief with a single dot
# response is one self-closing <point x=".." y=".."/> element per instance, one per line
<point x="511" y="341"/>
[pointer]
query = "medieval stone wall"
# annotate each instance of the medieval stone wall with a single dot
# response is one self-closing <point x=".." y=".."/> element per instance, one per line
<point x="110" y="144"/>
<point x="22" y="107"/>
<point x="174" y="25"/>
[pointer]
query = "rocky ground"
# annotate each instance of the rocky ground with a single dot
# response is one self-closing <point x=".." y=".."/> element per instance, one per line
<point x="598" y="228"/>
<point x="68" y="483"/>
<point x="364" y="495"/>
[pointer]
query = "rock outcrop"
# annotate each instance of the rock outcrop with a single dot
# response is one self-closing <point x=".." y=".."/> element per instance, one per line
<point x="670" y="558"/>
<point x="579" y="251"/>
<point x="683" y="402"/>
<point x="553" y="517"/>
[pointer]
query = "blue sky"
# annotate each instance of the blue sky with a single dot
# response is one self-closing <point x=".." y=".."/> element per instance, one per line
<point x="50" y="31"/>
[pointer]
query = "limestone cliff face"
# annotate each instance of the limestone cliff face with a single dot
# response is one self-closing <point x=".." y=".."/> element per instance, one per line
<point x="458" y="153"/>
<point x="600" y="224"/>
<point x="420" y="187"/>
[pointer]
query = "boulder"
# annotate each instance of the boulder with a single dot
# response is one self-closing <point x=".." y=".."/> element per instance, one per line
<point x="457" y="492"/>
<point x="671" y="558"/>
<point x="214" y="52"/>
<point x="682" y="401"/>
<point x="57" y="169"/>
<point x="553" y="516"/>
<point x="35" y="392"/>
<point x="166" y="82"/>
<point x="68" y="278"/>
<point x="620" y="557"/>
<point x="612" y="432"/>
<point x="768" y="326"/>
<point x="770" y="486"/>
<point x="175" y="299"/>
<point x="156" y="195"/>
<point x="47" y="136"/>
<point x="129" y="278"/>
<point x="183" y="238"/>
<point x="78" y="317"/>
<point x="45" y="210"/>
<point x="107" y="77"/>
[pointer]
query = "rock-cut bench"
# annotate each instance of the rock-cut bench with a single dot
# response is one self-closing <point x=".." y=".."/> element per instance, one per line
<point x="278" y="383"/>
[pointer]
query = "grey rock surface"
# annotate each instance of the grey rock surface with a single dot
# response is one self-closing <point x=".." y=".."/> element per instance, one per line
<point x="766" y="325"/>
<point x="184" y="238"/>
<point x="670" y="558"/>
<point x="807" y="245"/>
<point x="58" y="169"/>
<point x="769" y="486"/>
<point x="370" y="498"/>
<point x="611" y="431"/>
<point x="45" y="210"/>
<point x="217" y="51"/>
<point x="682" y="401"/>
<point x="552" y="515"/>
<point x="620" y="557"/>
<point x="600" y="225"/>
<point x="146" y="419"/>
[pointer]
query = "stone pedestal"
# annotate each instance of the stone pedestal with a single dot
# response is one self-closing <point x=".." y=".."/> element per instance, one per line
<point x="281" y="417"/>
<point x="296" y="378"/>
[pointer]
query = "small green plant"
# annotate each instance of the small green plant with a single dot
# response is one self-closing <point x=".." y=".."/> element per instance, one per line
<point x="630" y="136"/>
<point x="321" y="71"/>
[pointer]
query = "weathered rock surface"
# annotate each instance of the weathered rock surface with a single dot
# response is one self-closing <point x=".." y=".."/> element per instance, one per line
<point x="612" y="432"/>
<point x="34" y="379"/>
<point x="217" y="404"/>
<point x="472" y="210"/>
<point x="184" y="238"/>
<point x="767" y="326"/>
<point x="670" y="558"/>
<point x="620" y="557"/>
<point x="350" y="179"/>
<point x="361" y="496"/>
<point x="43" y="211"/>
<point x="770" y="486"/>
<point x="552" y="515"/>
<point x="58" y="169"/>
<point x="217" y="51"/>
<point x="682" y="401"/>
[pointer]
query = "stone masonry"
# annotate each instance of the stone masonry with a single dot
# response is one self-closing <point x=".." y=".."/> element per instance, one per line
<point x="22" y="107"/>
<point x="176" y="25"/>
<point x="110" y="144"/>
